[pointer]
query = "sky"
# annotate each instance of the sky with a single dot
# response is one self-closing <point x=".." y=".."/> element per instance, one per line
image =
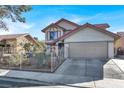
<point x="42" y="15"/>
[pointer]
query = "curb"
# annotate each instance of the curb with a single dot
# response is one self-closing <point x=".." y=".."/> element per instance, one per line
<point x="45" y="83"/>
<point x="32" y="80"/>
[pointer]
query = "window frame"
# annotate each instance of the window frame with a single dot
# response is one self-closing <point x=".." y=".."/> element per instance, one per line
<point x="55" y="36"/>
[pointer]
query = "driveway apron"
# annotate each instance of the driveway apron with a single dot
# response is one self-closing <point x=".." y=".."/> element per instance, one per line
<point x="82" y="67"/>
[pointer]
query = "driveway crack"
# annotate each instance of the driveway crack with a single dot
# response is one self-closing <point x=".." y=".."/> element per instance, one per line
<point x="94" y="84"/>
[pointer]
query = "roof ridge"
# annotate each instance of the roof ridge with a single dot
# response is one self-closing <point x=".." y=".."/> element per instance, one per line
<point x="77" y="25"/>
<point x="63" y="19"/>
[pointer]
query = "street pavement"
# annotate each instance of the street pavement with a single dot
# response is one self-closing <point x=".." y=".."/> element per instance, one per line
<point x="6" y="82"/>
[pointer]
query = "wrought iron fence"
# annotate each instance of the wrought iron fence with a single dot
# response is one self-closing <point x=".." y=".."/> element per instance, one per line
<point x="33" y="61"/>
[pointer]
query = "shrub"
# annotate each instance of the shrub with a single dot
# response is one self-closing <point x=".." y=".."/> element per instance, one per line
<point x="14" y="59"/>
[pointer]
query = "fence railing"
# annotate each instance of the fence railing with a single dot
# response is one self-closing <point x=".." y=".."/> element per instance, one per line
<point x="33" y="61"/>
<point x="7" y="50"/>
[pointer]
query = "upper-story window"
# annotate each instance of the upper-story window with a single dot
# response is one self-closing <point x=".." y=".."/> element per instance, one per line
<point x="53" y="35"/>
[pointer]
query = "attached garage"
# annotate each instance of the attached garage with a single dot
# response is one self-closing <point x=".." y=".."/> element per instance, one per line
<point x="88" y="50"/>
<point x="89" y="42"/>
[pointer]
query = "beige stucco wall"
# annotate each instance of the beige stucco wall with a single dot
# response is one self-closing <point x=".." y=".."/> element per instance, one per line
<point x="12" y="43"/>
<point x="88" y="34"/>
<point x="66" y="25"/>
<point x="20" y="42"/>
<point x="119" y="43"/>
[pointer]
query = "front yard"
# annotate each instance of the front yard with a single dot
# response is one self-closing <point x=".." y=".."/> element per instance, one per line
<point x="34" y="62"/>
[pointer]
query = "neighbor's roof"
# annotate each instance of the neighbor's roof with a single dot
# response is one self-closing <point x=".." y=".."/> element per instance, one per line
<point x="10" y="36"/>
<point x="120" y="34"/>
<point x="14" y="36"/>
<point x="84" y="26"/>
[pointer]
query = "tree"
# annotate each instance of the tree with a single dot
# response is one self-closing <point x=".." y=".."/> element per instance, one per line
<point x="13" y="12"/>
<point x="36" y="38"/>
<point x="42" y="45"/>
<point x="27" y="47"/>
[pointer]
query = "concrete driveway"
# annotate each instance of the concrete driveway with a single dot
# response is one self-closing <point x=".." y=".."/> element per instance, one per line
<point x="93" y="68"/>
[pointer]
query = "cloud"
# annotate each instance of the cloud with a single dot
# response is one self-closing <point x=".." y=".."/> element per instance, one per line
<point x="17" y="27"/>
<point x="79" y="19"/>
<point x="3" y="32"/>
<point x="120" y="29"/>
<point x="76" y="18"/>
<point x="26" y="25"/>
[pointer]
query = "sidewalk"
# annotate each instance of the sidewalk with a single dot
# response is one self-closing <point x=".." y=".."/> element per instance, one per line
<point x="59" y="80"/>
<point x="50" y="78"/>
<point x="119" y="63"/>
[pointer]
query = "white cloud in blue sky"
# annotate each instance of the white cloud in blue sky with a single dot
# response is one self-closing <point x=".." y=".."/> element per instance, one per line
<point x="41" y="16"/>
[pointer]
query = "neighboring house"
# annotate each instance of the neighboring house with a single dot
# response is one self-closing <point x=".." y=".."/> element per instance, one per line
<point x="119" y="44"/>
<point x="80" y="41"/>
<point x="14" y="43"/>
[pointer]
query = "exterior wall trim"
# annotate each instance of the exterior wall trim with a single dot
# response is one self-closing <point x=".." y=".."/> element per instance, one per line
<point x="107" y="49"/>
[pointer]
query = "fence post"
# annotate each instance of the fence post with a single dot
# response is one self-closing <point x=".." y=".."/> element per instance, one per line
<point x="51" y="60"/>
<point x="3" y="50"/>
<point x="20" y="61"/>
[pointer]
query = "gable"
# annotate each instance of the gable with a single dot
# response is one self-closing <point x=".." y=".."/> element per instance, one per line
<point x="32" y="40"/>
<point x="21" y="40"/>
<point x="88" y="34"/>
<point x="67" y="25"/>
<point x="53" y="27"/>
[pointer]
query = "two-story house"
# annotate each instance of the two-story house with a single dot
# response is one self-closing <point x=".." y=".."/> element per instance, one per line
<point x="80" y="41"/>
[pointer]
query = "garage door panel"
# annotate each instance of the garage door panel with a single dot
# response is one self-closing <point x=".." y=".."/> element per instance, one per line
<point x="88" y="50"/>
<point x="76" y="51"/>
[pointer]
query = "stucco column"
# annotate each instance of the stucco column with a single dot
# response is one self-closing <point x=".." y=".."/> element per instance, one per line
<point x="110" y="49"/>
<point x="66" y="47"/>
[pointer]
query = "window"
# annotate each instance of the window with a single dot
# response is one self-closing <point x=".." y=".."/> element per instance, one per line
<point x="53" y="35"/>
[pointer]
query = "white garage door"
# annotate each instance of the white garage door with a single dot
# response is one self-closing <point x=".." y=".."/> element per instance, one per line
<point x="88" y="50"/>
